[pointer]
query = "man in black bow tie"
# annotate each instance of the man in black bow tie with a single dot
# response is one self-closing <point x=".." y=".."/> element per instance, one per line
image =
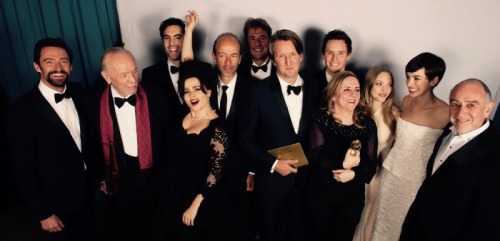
<point x="166" y="72"/>
<point x="258" y="64"/>
<point x="47" y="136"/>
<point x="278" y="115"/>
<point x="131" y="120"/>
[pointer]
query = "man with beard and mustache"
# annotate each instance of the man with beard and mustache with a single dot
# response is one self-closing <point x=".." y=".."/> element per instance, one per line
<point x="166" y="72"/>
<point x="46" y="133"/>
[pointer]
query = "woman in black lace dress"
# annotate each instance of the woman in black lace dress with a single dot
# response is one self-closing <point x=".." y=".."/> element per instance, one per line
<point x="184" y="201"/>
<point x="339" y="170"/>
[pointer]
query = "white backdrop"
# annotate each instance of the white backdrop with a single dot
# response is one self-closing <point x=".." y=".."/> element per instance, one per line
<point x="464" y="33"/>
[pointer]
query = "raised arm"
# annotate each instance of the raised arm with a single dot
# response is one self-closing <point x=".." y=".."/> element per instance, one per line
<point x="187" y="44"/>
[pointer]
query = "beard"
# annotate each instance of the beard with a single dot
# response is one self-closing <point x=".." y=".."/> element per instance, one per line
<point x="57" y="83"/>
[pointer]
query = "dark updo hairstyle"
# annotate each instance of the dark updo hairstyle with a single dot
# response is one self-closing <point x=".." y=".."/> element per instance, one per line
<point x="195" y="69"/>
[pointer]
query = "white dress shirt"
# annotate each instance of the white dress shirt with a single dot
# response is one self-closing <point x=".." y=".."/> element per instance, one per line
<point x="293" y="101"/>
<point x="175" y="79"/>
<point x="452" y="142"/>
<point x="125" y="116"/>
<point x="66" y="111"/>
<point x="229" y="92"/>
<point x="260" y="74"/>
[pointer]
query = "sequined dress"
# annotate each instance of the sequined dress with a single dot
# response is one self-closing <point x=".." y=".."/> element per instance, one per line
<point x="333" y="207"/>
<point x="193" y="160"/>
<point x="401" y="176"/>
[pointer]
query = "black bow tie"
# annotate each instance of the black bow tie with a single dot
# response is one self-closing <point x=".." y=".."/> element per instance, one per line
<point x="120" y="101"/>
<point x="174" y="69"/>
<point x="262" y="67"/>
<point x="295" y="89"/>
<point x="60" y="97"/>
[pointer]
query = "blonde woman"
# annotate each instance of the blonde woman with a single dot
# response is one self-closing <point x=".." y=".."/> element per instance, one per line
<point x="336" y="189"/>
<point x="378" y="96"/>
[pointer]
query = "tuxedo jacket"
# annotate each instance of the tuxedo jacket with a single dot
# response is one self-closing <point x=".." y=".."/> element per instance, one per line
<point x="460" y="200"/>
<point x="159" y="114"/>
<point x="237" y="167"/>
<point x="321" y="79"/>
<point x="48" y="166"/>
<point x="245" y="69"/>
<point x="159" y="74"/>
<point x="266" y="125"/>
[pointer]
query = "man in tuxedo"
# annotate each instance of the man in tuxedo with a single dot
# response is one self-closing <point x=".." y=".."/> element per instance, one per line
<point x="47" y="137"/>
<point x="230" y="97"/>
<point x="131" y="120"/>
<point x="278" y="115"/>
<point x="259" y="64"/>
<point x="458" y="199"/>
<point x="336" y="51"/>
<point x="166" y="73"/>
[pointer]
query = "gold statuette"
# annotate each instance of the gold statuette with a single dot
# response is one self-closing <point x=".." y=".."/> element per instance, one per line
<point x="355" y="146"/>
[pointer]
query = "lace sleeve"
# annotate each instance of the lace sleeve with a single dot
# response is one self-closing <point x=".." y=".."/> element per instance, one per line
<point x="218" y="148"/>
<point x="316" y="143"/>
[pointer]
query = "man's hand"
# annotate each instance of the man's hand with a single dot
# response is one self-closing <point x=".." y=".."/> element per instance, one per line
<point x="104" y="188"/>
<point x="250" y="182"/>
<point x="350" y="160"/>
<point x="52" y="224"/>
<point x="343" y="175"/>
<point x="284" y="167"/>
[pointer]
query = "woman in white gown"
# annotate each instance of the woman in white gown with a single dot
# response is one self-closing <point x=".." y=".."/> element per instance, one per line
<point x="423" y="117"/>
<point x="378" y="95"/>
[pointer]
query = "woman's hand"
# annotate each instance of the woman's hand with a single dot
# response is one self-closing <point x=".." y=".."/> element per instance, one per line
<point x="191" y="20"/>
<point x="190" y="214"/>
<point x="351" y="160"/>
<point x="343" y="175"/>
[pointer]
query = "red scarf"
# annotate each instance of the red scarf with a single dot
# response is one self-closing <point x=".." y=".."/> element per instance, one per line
<point x="107" y="137"/>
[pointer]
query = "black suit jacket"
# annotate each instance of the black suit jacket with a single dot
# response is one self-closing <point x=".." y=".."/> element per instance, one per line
<point x="159" y="74"/>
<point x="237" y="167"/>
<point x="245" y="69"/>
<point x="266" y="125"/>
<point x="322" y="81"/>
<point x="159" y="113"/>
<point x="460" y="200"/>
<point x="47" y="164"/>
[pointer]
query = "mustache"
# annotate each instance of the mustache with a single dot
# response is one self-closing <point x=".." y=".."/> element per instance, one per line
<point x="58" y="72"/>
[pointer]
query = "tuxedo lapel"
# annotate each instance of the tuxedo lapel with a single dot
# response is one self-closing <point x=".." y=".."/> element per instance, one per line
<point x="308" y="104"/>
<point x="238" y="88"/>
<point x="466" y="153"/>
<point x="280" y="100"/>
<point x="46" y="110"/>
<point x="77" y="100"/>
<point x="213" y="97"/>
<point x="430" y="163"/>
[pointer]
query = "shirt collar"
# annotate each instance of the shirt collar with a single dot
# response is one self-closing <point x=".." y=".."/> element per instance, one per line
<point x="469" y="135"/>
<point x="231" y="83"/>
<point x="47" y="92"/>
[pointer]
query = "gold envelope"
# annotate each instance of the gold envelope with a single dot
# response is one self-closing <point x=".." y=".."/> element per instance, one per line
<point x="290" y="152"/>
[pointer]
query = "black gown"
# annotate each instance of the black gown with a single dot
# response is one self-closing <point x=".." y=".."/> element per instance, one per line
<point x="334" y="208"/>
<point x="193" y="158"/>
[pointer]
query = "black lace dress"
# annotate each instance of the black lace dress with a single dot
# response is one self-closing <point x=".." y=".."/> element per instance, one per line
<point x="194" y="167"/>
<point x="334" y="208"/>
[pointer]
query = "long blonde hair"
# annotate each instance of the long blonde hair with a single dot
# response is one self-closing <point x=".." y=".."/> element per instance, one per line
<point x="388" y="106"/>
<point x="333" y="88"/>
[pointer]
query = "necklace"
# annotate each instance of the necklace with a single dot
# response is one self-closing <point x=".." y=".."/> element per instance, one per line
<point x="201" y="118"/>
